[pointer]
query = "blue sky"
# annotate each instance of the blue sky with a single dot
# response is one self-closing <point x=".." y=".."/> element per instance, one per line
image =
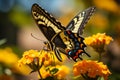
<point x="52" y="6"/>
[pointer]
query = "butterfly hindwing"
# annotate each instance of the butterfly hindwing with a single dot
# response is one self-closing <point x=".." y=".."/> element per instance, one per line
<point x="77" y="47"/>
<point x="77" y="24"/>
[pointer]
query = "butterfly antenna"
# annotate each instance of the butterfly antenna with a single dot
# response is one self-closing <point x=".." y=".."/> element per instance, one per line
<point x="37" y="38"/>
<point x="46" y="44"/>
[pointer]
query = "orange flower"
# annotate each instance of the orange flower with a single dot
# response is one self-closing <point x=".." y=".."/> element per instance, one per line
<point x="98" y="41"/>
<point x="82" y="69"/>
<point x="91" y="68"/>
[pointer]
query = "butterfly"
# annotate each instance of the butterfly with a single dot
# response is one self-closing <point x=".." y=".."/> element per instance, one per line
<point x="63" y="39"/>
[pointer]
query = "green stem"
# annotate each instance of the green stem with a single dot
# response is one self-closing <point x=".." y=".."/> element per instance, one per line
<point x="38" y="69"/>
<point x="100" y="56"/>
<point x="89" y="78"/>
<point x="85" y="77"/>
<point x="40" y="75"/>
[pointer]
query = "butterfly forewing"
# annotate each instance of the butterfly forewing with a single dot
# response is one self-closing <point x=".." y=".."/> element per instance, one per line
<point x="46" y="23"/>
<point x="77" y="24"/>
<point x="50" y="27"/>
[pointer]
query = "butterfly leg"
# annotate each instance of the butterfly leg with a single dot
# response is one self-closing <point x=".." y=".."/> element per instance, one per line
<point x="57" y="53"/>
<point x="47" y="46"/>
<point x="87" y="54"/>
<point x="82" y="54"/>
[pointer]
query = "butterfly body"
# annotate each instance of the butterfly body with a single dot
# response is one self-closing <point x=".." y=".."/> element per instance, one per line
<point x="60" y="39"/>
<point x="77" y="45"/>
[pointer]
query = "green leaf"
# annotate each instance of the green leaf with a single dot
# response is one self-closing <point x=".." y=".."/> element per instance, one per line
<point x="100" y="78"/>
<point x="2" y="41"/>
<point x="1" y="69"/>
<point x="78" y="78"/>
<point x="53" y="71"/>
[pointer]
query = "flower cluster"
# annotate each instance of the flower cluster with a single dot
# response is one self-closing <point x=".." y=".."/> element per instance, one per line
<point x="92" y="69"/>
<point x="44" y="62"/>
<point x="32" y="56"/>
<point x="45" y="57"/>
<point x="98" y="41"/>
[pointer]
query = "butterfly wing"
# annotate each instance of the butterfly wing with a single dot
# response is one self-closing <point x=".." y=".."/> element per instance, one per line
<point x="78" y="22"/>
<point x="46" y="23"/>
<point x="50" y="27"/>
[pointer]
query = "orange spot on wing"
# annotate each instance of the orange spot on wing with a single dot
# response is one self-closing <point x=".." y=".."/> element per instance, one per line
<point x="75" y="57"/>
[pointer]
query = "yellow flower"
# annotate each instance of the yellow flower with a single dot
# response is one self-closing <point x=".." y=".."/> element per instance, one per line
<point x="50" y="58"/>
<point x="28" y="57"/>
<point x="44" y="58"/>
<point x="24" y="70"/>
<point x="60" y="74"/>
<point x="8" y="57"/>
<point x="98" y="41"/>
<point x="45" y="73"/>
<point x="91" y="68"/>
<point x="62" y="71"/>
<point x="43" y="61"/>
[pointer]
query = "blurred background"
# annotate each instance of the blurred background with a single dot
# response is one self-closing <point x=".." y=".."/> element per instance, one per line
<point x="17" y="24"/>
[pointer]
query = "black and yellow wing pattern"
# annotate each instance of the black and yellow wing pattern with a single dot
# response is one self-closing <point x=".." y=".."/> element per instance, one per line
<point x="49" y="27"/>
<point x="78" y="23"/>
<point x="66" y="40"/>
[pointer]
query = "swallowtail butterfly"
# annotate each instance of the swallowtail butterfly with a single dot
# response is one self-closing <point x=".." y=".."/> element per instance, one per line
<point x="63" y="39"/>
